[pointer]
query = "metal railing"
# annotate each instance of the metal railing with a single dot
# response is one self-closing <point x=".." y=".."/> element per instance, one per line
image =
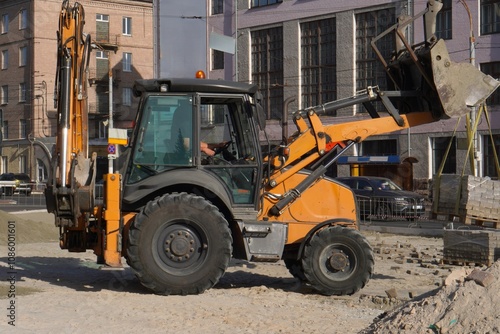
<point x="387" y="208"/>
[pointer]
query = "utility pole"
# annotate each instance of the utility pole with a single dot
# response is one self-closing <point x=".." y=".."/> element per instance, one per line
<point x="472" y="131"/>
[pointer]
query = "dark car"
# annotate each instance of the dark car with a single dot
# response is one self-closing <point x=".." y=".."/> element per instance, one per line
<point x="24" y="184"/>
<point x="381" y="198"/>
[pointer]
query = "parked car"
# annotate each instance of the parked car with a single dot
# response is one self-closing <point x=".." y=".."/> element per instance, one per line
<point x="381" y="198"/>
<point x="7" y="184"/>
<point x="23" y="183"/>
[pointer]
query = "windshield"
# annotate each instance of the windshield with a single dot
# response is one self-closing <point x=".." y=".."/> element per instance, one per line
<point x="386" y="185"/>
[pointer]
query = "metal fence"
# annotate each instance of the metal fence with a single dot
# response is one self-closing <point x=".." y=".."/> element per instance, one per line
<point x="385" y="208"/>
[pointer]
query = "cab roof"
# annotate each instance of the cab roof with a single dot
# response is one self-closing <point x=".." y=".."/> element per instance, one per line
<point x="180" y="85"/>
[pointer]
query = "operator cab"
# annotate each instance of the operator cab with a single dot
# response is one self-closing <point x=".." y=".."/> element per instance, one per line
<point x="175" y="122"/>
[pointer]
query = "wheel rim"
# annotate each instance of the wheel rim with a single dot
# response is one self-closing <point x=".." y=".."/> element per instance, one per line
<point x="338" y="262"/>
<point x="180" y="247"/>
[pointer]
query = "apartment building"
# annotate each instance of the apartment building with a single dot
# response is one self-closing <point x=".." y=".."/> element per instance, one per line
<point x="306" y="53"/>
<point x="121" y="32"/>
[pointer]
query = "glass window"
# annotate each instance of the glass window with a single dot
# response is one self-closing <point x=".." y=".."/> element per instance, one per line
<point x="103" y="130"/>
<point x="5" y="94"/>
<point x="260" y="3"/>
<point x="217" y="7"/>
<point x="5" y="129"/>
<point x="22" y="128"/>
<point x="217" y="60"/>
<point x="102" y="17"/>
<point x="23" y="166"/>
<point x="492" y="69"/>
<point x="490" y="17"/>
<point x="23" y="19"/>
<point x="127" y="96"/>
<point x="127" y="62"/>
<point x="102" y="28"/>
<point x="369" y="70"/>
<point x="5" y="23"/>
<point x="382" y="147"/>
<point x="23" y="56"/>
<point x="489" y="155"/>
<point x="267" y="69"/>
<point x="439" y="147"/>
<point x="5" y="59"/>
<point x="5" y="163"/>
<point x="127" y="26"/>
<point x="318" y="47"/>
<point x="443" y="21"/>
<point x="22" y="92"/>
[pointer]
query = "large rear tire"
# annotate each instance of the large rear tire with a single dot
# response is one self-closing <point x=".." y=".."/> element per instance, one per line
<point x="337" y="261"/>
<point x="179" y="244"/>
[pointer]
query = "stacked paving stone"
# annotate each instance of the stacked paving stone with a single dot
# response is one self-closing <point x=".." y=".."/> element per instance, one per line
<point x="479" y="197"/>
<point x="479" y="247"/>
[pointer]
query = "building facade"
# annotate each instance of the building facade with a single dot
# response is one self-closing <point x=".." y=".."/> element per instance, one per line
<point x="121" y="33"/>
<point x="306" y="53"/>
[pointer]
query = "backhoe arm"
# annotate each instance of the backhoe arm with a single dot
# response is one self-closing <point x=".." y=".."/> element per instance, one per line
<point x="69" y="191"/>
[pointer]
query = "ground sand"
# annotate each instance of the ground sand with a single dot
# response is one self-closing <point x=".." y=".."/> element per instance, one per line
<point x="62" y="292"/>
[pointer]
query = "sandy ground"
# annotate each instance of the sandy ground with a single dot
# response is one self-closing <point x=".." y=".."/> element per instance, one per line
<point x="58" y="291"/>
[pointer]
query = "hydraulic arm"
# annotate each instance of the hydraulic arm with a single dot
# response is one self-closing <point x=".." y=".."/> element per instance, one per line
<point x="70" y="187"/>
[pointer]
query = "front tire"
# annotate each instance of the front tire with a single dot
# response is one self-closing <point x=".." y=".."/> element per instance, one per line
<point x="337" y="261"/>
<point x="179" y="244"/>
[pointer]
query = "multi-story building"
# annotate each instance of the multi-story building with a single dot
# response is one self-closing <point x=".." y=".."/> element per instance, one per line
<point x="306" y="53"/>
<point x="121" y="32"/>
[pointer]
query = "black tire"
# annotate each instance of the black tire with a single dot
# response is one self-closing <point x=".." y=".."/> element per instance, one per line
<point x="179" y="244"/>
<point x="295" y="268"/>
<point x="9" y="191"/>
<point x="337" y="261"/>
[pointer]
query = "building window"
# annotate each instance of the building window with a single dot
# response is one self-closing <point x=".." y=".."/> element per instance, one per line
<point x="5" y="59"/>
<point x="382" y="147"/>
<point x="439" y="148"/>
<point x="369" y="70"/>
<point x="127" y="96"/>
<point x="101" y="55"/>
<point x="23" y="56"/>
<point x="102" y="65"/>
<point x="103" y="130"/>
<point x="217" y="7"/>
<point x="22" y="92"/>
<point x="22" y="128"/>
<point x="318" y="50"/>
<point x="5" y="23"/>
<point x="5" y="129"/>
<point x="5" y="94"/>
<point x="490" y="17"/>
<point x="443" y="21"/>
<point x="22" y="164"/>
<point x="267" y="69"/>
<point x="492" y="69"/>
<point x="489" y="156"/>
<point x="5" y="164"/>
<point x="127" y="26"/>
<point x="23" y="19"/>
<point x="127" y="62"/>
<point x="217" y="60"/>
<point x="260" y="3"/>
<point x="102" y="28"/>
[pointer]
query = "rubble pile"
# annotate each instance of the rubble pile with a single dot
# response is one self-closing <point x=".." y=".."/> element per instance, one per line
<point x="469" y="302"/>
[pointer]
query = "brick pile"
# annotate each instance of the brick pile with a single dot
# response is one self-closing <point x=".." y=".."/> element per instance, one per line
<point x="466" y="246"/>
<point x="479" y="197"/>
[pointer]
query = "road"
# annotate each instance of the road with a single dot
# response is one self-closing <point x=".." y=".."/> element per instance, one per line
<point x="18" y="202"/>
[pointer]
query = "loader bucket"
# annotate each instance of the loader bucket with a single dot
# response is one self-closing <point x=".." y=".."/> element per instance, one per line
<point x="458" y="85"/>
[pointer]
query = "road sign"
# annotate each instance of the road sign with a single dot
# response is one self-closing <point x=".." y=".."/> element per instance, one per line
<point x="111" y="149"/>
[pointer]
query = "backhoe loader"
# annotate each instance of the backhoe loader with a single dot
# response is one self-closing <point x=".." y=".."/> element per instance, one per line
<point x="177" y="215"/>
